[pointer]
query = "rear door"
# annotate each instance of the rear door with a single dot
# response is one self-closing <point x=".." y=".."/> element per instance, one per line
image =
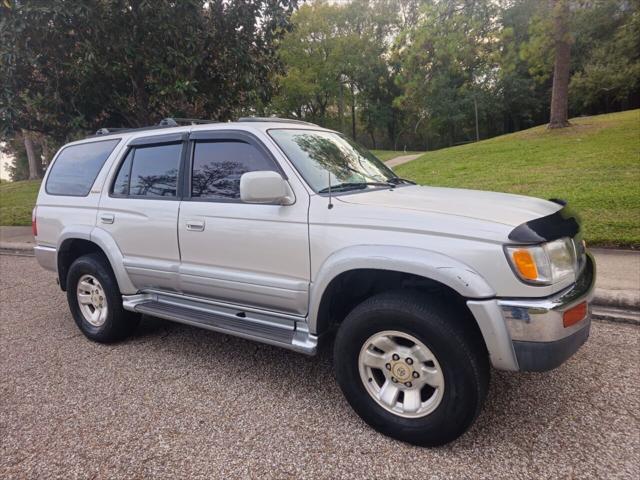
<point x="140" y="210"/>
<point x="246" y="254"/>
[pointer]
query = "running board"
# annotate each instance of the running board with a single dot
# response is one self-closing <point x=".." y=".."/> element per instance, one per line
<point x="281" y="330"/>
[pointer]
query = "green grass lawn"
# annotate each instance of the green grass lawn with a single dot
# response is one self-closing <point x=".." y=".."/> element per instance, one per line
<point x="17" y="200"/>
<point x="385" y="155"/>
<point x="594" y="164"/>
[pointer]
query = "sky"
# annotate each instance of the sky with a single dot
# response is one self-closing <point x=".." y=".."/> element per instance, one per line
<point x="4" y="161"/>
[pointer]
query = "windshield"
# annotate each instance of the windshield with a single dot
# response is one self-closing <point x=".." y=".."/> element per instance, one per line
<point x="323" y="157"/>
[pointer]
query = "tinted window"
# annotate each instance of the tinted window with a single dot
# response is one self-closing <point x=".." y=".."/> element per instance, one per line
<point x="77" y="167"/>
<point x="121" y="185"/>
<point x="218" y="166"/>
<point x="154" y="172"/>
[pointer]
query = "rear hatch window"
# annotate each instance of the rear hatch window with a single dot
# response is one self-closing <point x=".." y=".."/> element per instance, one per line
<point x="77" y="167"/>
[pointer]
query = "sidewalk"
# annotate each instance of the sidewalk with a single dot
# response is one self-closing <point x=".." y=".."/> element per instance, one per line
<point x="394" y="162"/>
<point x="618" y="283"/>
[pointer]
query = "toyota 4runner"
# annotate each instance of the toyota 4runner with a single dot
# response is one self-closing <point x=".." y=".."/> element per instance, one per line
<point x="283" y="232"/>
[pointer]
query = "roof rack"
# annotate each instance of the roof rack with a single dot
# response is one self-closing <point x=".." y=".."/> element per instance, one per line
<point x="275" y="120"/>
<point x="164" y="123"/>
<point x="176" y="122"/>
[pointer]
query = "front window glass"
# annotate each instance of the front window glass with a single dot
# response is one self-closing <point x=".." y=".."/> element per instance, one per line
<point x="218" y="166"/>
<point x="323" y="157"/>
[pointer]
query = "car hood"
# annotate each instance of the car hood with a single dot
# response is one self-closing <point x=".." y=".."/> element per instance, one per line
<point x="502" y="208"/>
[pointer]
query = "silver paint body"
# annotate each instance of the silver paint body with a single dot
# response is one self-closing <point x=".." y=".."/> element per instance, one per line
<point x="279" y="259"/>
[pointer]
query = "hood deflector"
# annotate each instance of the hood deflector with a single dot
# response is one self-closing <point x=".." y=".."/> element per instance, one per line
<point x="563" y="223"/>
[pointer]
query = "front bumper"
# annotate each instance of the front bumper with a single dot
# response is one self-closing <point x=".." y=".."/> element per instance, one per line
<point x="529" y="334"/>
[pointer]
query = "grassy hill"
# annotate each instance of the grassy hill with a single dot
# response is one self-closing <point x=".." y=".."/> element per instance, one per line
<point x="17" y="200"/>
<point x="594" y="164"/>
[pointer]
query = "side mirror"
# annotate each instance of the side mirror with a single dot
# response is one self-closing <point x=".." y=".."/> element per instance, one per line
<point x="265" y="187"/>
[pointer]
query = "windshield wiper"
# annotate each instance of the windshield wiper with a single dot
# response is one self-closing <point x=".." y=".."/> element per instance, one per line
<point x="398" y="180"/>
<point x="354" y="185"/>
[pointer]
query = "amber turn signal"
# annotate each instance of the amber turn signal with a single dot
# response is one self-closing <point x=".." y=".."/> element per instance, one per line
<point x="574" y="314"/>
<point x="526" y="265"/>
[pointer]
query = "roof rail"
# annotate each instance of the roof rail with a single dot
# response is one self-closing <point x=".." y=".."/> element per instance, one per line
<point x="275" y="120"/>
<point x="164" y="123"/>
<point x="107" y="131"/>
<point x="176" y="122"/>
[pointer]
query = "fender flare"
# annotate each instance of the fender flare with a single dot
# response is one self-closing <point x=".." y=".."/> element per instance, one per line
<point x="422" y="262"/>
<point x="105" y="241"/>
<point x="108" y="246"/>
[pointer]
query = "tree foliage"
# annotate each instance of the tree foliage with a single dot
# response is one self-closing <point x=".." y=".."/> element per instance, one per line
<point x="68" y="67"/>
<point x="422" y="72"/>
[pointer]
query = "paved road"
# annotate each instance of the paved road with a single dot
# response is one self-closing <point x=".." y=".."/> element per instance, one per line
<point x="177" y="401"/>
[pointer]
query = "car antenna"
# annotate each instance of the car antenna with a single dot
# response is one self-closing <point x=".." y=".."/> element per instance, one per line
<point x="330" y="206"/>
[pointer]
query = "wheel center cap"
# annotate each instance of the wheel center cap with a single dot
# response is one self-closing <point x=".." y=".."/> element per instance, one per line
<point x="401" y="371"/>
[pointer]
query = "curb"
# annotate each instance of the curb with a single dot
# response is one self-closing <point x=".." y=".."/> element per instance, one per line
<point x="618" y="299"/>
<point x="16" y="248"/>
<point x="616" y="315"/>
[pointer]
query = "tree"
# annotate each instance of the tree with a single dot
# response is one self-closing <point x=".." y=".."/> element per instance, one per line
<point x="608" y="78"/>
<point x="448" y="62"/>
<point x="32" y="160"/>
<point x="68" y="67"/>
<point x="336" y="55"/>
<point x="561" y="68"/>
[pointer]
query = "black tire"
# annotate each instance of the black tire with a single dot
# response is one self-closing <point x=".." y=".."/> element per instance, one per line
<point x="461" y="355"/>
<point x="119" y="323"/>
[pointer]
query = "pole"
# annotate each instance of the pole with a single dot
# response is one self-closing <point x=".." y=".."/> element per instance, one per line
<point x="341" y="106"/>
<point x="353" y="113"/>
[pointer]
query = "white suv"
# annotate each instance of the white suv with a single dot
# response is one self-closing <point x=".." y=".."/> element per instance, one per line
<point x="283" y="232"/>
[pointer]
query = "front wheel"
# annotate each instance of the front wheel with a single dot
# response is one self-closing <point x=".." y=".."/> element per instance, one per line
<point x="410" y="368"/>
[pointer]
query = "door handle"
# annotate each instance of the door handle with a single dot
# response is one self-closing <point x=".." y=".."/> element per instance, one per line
<point x="195" y="225"/>
<point x="107" y="217"/>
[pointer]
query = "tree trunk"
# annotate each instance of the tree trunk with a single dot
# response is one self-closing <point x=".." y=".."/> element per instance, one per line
<point x="560" y="93"/>
<point x="31" y="155"/>
<point x="46" y="153"/>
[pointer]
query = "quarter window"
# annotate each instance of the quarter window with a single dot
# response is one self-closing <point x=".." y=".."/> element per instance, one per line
<point x="77" y="167"/>
<point x="121" y="185"/>
<point x="218" y="166"/>
<point x="149" y="172"/>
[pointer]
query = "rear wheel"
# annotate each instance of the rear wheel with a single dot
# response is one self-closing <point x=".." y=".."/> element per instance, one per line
<point x="410" y="369"/>
<point x="95" y="300"/>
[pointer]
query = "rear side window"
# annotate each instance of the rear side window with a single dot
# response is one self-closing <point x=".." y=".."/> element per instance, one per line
<point x="77" y="167"/>
<point x="149" y="172"/>
<point x="218" y="166"/>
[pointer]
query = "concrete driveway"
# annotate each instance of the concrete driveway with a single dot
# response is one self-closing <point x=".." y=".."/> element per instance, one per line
<point x="176" y="401"/>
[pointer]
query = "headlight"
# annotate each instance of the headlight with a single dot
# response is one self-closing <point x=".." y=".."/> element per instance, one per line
<point x="544" y="264"/>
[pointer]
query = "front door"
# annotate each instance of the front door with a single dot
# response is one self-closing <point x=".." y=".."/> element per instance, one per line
<point x="245" y="254"/>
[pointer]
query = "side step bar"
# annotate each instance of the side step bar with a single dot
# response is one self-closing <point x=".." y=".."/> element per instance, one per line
<point x="281" y="330"/>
